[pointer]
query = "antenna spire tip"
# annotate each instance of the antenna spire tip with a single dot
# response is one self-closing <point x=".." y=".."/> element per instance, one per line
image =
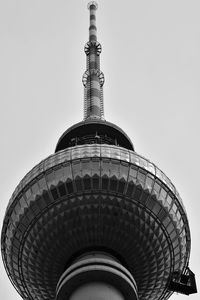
<point x="92" y="3"/>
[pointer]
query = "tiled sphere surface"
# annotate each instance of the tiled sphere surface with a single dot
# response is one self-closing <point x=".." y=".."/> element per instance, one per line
<point x="89" y="197"/>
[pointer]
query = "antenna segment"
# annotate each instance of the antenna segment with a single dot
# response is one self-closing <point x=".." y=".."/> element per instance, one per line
<point x="93" y="78"/>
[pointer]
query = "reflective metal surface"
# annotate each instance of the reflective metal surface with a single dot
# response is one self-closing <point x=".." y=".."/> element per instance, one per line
<point x="95" y="196"/>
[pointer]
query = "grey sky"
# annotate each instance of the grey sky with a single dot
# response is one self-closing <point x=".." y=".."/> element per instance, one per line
<point x="151" y="63"/>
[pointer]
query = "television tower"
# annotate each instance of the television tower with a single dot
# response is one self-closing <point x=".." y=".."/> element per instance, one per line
<point x="95" y="220"/>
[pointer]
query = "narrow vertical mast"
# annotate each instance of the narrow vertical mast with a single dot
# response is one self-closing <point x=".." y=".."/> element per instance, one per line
<point x="93" y="78"/>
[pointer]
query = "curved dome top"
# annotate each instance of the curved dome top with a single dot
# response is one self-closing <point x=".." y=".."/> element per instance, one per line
<point x="94" y="131"/>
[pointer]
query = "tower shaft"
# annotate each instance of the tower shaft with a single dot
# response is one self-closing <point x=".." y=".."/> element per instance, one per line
<point x="95" y="220"/>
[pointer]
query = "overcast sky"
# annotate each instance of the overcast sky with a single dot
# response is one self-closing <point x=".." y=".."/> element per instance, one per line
<point x="151" y="62"/>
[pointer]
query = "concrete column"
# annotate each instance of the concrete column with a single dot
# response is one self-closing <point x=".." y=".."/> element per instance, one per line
<point x="96" y="276"/>
<point x="96" y="291"/>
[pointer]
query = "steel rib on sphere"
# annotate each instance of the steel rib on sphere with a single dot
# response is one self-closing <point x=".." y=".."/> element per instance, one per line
<point x="94" y="197"/>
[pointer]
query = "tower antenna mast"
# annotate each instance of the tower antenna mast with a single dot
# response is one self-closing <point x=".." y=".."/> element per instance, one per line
<point x="93" y="78"/>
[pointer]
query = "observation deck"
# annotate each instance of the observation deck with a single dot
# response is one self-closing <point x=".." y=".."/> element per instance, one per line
<point x="94" y="131"/>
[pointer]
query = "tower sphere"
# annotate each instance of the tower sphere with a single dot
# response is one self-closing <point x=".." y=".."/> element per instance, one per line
<point x="96" y="215"/>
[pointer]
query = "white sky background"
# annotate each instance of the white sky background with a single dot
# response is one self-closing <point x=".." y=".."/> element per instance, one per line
<point x="151" y="62"/>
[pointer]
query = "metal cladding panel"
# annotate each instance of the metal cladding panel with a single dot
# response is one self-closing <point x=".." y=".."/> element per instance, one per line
<point x="94" y="196"/>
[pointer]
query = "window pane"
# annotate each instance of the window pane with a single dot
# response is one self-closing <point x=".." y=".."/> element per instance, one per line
<point x="149" y="182"/>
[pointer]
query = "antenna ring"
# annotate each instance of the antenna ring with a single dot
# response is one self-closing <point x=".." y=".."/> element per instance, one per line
<point x="92" y="43"/>
<point x="88" y="73"/>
